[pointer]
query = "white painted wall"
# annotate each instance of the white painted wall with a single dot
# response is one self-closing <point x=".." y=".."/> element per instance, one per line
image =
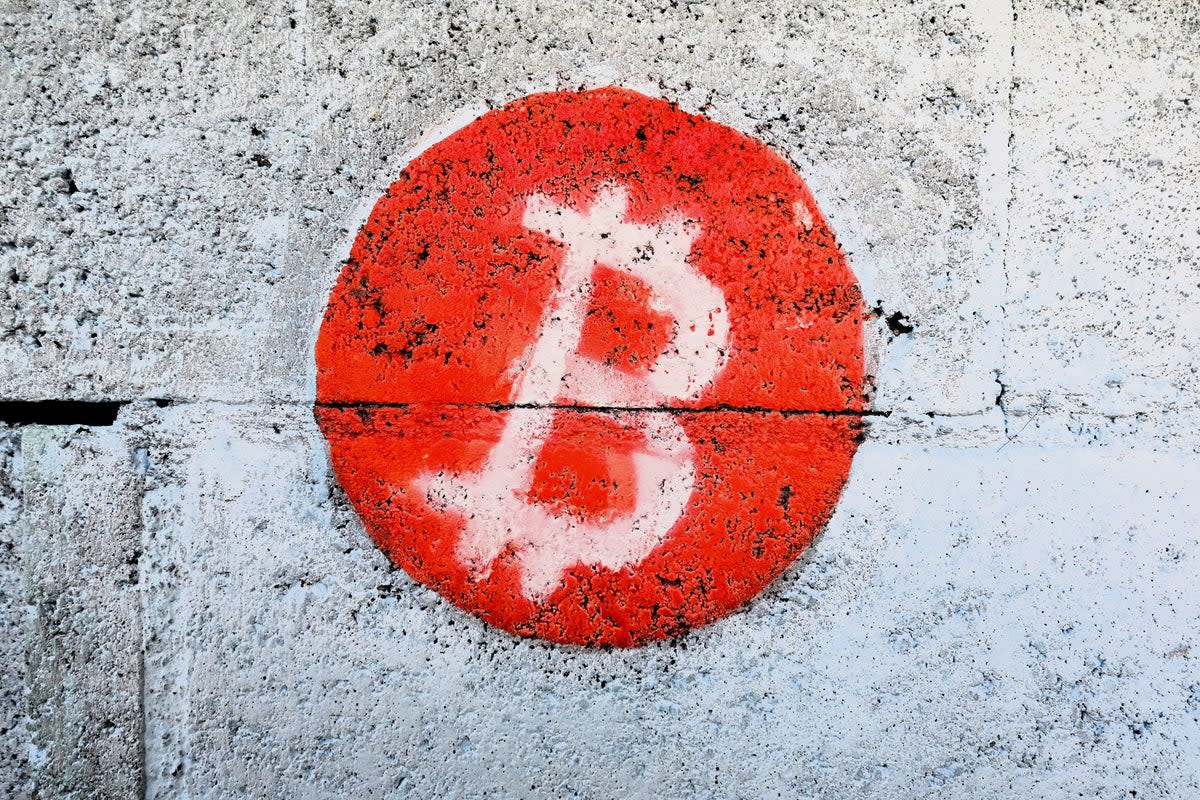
<point x="1003" y="605"/>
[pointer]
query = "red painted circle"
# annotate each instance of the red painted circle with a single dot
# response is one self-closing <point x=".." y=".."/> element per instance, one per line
<point x="426" y="343"/>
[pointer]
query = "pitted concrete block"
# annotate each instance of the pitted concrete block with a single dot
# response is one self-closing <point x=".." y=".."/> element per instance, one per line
<point x="1104" y="261"/>
<point x="81" y="541"/>
<point x="245" y="553"/>
<point x="185" y="183"/>
<point x="14" y="750"/>
<point x="303" y="653"/>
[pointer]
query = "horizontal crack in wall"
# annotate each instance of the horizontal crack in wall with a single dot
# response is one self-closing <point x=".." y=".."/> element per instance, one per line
<point x="711" y="409"/>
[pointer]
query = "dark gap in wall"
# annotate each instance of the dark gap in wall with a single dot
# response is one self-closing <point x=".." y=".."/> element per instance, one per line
<point x="60" y="412"/>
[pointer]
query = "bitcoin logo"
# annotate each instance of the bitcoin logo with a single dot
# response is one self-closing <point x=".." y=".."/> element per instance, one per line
<point x="494" y="500"/>
<point x="593" y="368"/>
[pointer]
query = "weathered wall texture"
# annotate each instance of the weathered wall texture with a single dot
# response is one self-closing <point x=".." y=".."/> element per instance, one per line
<point x="1003" y="605"/>
<point x="83" y="640"/>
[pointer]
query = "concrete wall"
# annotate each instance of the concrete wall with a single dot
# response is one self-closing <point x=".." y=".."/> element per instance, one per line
<point x="1003" y="605"/>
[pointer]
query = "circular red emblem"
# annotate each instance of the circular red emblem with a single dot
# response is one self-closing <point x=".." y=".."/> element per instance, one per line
<point x="593" y="370"/>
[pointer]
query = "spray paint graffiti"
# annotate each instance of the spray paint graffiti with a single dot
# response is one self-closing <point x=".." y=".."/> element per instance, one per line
<point x="548" y="541"/>
<point x="594" y="368"/>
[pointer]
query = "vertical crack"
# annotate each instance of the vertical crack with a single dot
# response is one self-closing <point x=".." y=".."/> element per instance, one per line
<point x="1006" y="235"/>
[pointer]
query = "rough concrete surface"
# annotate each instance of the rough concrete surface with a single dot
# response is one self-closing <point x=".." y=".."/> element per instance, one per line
<point x="1002" y="605"/>
<point x="80" y="548"/>
<point x="14" y="754"/>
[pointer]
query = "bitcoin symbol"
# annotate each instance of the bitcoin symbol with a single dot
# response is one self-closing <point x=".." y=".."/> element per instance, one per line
<point x="494" y="501"/>
<point x="593" y="368"/>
